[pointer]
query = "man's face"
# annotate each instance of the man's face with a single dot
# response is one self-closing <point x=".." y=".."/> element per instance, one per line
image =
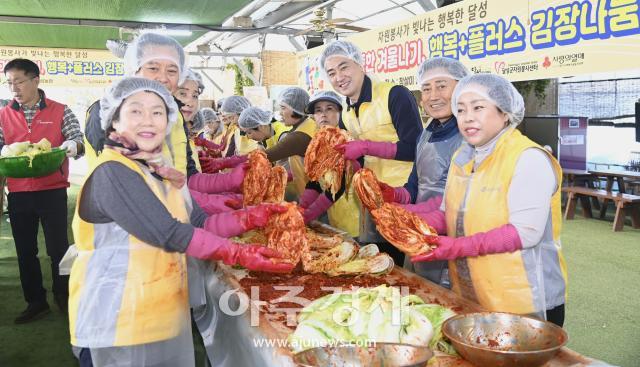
<point x="346" y="76"/>
<point x="161" y="67"/>
<point x="24" y="88"/>
<point x="436" y="97"/>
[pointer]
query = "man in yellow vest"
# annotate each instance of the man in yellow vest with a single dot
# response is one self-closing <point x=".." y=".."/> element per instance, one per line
<point x="501" y="215"/>
<point x="382" y="117"/>
<point x="155" y="57"/>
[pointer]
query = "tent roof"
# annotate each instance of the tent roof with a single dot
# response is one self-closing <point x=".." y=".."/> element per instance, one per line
<point x="89" y="23"/>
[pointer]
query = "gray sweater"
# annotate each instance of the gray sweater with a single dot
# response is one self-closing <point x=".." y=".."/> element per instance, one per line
<point x="115" y="193"/>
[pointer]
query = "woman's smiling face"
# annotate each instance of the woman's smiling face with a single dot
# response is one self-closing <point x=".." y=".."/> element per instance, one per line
<point x="143" y="120"/>
<point x="479" y="119"/>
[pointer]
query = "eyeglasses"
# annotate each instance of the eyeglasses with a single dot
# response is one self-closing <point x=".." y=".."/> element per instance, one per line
<point x="17" y="84"/>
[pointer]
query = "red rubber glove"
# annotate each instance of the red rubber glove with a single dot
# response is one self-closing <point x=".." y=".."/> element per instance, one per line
<point x="388" y="193"/>
<point x="207" y="246"/>
<point x="234" y="203"/>
<point x="498" y="240"/>
<point x="355" y="149"/>
<point x="233" y="223"/>
<point x="216" y="183"/>
<point x="206" y="164"/>
<point x="202" y="142"/>
<point x="394" y="194"/>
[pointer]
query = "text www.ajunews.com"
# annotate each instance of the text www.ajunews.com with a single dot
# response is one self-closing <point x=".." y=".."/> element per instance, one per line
<point x="307" y="344"/>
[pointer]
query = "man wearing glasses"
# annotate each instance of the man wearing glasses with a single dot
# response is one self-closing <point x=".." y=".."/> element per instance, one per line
<point x="31" y="116"/>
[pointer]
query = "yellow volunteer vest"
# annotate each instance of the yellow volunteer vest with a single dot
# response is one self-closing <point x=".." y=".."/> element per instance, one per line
<point x="278" y="129"/>
<point x="194" y="155"/>
<point x="344" y="214"/>
<point x="89" y="153"/>
<point x="296" y="162"/>
<point x="244" y="144"/>
<point x="498" y="281"/>
<point x="229" y="134"/>
<point x="140" y="300"/>
<point x="178" y="140"/>
<point x="375" y="124"/>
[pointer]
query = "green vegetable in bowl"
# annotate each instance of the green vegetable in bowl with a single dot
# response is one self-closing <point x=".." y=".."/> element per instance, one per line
<point x="368" y="315"/>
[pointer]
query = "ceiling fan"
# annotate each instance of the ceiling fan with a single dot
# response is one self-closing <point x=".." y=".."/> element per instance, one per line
<point x="322" y="23"/>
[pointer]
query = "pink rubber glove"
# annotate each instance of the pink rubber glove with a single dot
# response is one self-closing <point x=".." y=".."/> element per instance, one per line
<point x="207" y="246"/>
<point x="218" y="164"/>
<point x="216" y="183"/>
<point x="307" y="198"/>
<point x="319" y="207"/>
<point x="496" y="241"/>
<point x="215" y="203"/>
<point x="358" y="148"/>
<point x="435" y="219"/>
<point x="233" y="223"/>
<point x="425" y="206"/>
<point x="355" y="165"/>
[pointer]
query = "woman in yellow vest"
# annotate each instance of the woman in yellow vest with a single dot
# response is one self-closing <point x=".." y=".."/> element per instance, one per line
<point x="343" y="210"/>
<point x="257" y="124"/>
<point x="501" y="207"/>
<point x="213" y="127"/>
<point x="133" y="225"/>
<point x="235" y="144"/>
<point x="187" y="94"/>
<point x="293" y="144"/>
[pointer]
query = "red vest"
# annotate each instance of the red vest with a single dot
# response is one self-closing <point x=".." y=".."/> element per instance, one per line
<point x="47" y="123"/>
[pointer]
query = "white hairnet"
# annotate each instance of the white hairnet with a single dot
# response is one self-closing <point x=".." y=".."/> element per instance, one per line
<point x="441" y="66"/>
<point x="117" y="47"/>
<point x="208" y="115"/>
<point x="494" y="88"/>
<point x="235" y="104"/>
<point x="197" y="122"/>
<point x="294" y="97"/>
<point x="126" y="87"/>
<point x="341" y="48"/>
<point x="153" y="46"/>
<point x="192" y="75"/>
<point x="253" y="117"/>
<point x="323" y="95"/>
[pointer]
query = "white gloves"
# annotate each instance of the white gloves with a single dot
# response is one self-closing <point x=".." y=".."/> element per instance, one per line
<point x="71" y="147"/>
<point x="5" y="150"/>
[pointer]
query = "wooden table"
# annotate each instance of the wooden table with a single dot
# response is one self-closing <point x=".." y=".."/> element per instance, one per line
<point x="576" y="177"/>
<point x="236" y="337"/>
<point x="618" y="176"/>
<point x="272" y="326"/>
<point x="611" y="176"/>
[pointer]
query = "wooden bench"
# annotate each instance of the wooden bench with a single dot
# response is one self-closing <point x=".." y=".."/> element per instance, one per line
<point x="625" y="204"/>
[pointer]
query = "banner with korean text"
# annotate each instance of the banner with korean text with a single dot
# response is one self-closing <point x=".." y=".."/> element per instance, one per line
<point x="519" y="39"/>
<point x="63" y="67"/>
